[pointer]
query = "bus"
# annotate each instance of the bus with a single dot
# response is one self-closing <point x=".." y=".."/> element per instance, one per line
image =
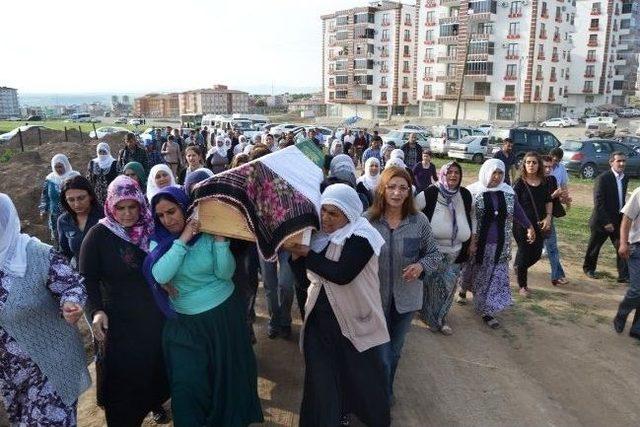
<point x="190" y="120"/>
<point x="81" y="117"/>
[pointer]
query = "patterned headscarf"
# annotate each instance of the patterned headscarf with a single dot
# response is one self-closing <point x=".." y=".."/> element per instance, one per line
<point x="124" y="188"/>
<point x="448" y="194"/>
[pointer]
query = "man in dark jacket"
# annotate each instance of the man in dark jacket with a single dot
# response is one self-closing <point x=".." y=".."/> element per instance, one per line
<point x="412" y="151"/>
<point x="132" y="152"/>
<point x="609" y="195"/>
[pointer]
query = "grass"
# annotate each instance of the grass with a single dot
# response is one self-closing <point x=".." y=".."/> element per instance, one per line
<point x="7" y="125"/>
<point x="6" y="155"/>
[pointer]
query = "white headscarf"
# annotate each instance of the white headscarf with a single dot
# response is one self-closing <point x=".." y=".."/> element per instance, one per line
<point x="395" y="161"/>
<point x="218" y="148"/>
<point x="397" y="154"/>
<point x="484" y="177"/>
<point x="370" y="181"/>
<point x="334" y="148"/>
<point x="56" y="178"/>
<point x="239" y="148"/>
<point x="346" y="199"/>
<point x="248" y="148"/>
<point x="103" y="161"/>
<point x="13" y="244"/>
<point x="340" y="162"/>
<point x="152" y="187"/>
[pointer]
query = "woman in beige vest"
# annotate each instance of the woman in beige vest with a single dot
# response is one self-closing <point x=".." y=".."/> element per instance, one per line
<point x="344" y="329"/>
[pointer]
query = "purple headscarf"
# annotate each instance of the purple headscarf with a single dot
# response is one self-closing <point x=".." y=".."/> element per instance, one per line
<point x="164" y="240"/>
<point x="449" y="194"/>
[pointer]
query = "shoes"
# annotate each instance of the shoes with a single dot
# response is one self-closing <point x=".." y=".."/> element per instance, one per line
<point x="272" y="333"/>
<point x="345" y="420"/>
<point x="446" y="330"/>
<point x="622" y="280"/>
<point x="618" y="323"/>
<point x="461" y="298"/>
<point x="160" y="416"/>
<point x="562" y="281"/>
<point x="524" y="292"/>
<point x="590" y="274"/>
<point x="491" y="321"/>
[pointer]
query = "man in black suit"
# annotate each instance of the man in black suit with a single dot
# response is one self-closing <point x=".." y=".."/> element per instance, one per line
<point x="609" y="195"/>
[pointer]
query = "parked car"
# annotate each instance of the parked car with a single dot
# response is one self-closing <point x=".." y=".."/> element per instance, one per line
<point x="556" y="122"/>
<point x="588" y="157"/>
<point x="451" y="133"/>
<point x="7" y="136"/>
<point x="630" y="141"/>
<point x="571" y="121"/>
<point x="485" y="127"/>
<point x="524" y="139"/>
<point x="136" y="122"/>
<point x="420" y="128"/>
<point x="283" y="128"/>
<point x="470" y="147"/>
<point x="121" y="121"/>
<point x="399" y="137"/>
<point x="34" y="118"/>
<point x="600" y="130"/>
<point x="103" y="131"/>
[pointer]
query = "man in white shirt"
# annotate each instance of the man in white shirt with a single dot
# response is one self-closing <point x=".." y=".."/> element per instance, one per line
<point x="630" y="250"/>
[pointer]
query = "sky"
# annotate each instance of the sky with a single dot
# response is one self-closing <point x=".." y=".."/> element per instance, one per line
<point x="140" y="46"/>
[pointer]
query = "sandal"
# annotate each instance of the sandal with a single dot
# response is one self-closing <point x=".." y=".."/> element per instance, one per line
<point x="562" y="281"/>
<point x="446" y="330"/>
<point x="524" y="292"/>
<point x="491" y="321"/>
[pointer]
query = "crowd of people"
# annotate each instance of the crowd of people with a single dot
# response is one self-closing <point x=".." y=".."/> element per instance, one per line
<point x="172" y="308"/>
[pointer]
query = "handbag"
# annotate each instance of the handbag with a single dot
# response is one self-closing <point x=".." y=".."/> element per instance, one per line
<point x="545" y="233"/>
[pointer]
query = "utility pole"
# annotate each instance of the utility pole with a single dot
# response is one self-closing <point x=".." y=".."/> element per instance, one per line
<point x="464" y="69"/>
<point x="519" y="90"/>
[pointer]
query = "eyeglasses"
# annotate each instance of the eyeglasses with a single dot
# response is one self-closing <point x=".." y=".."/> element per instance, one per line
<point x="531" y="162"/>
<point x="78" y="199"/>
<point x="400" y="188"/>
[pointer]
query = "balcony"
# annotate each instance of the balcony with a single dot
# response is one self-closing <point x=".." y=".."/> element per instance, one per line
<point x="594" y="28"/>
<point x="448" y="58"/>
<point x="449" y="20"/>
<point x="595" y="12"/>
<point x="541" y="57"/>
<point x="429" y="60"/>
<point x="429" y="42"/>
<point x="451" y="96"/>
<point x="553" y="78"/>
<point x="427" y="96"/>
<point x="428" y="78"/>
<point x="537" y="98"/>
<point x="509" y="98"/>
<point x="408" y="23"/>
<point x="559" y="19"/>
<point x="386" y="23"/>
<point x="383" y="86"/>
<point x="384" y="70"/>
<point x="590" y="59"/>
<point x="406" y="55"/>
<point x="566" y="76"/>
<point x="447" y="77"/>
<point x="556" y="38"/>
<point x="430" y="23"/>
<point x="476" y="97"/>
<point x="481" y="35"/>
<point x="449" y="2"/>
<point x="385" y="39"/>
<point x="448" y="39"/>
<point x="587" y="90"/>
<point x="512" y="57"/>
<point x="407" y="39"/>
<point x="552" y="98"/>
<point x="544" y="14"/>
<point x="554" y="58"/>
<point x="592" y="43"/>
<point x="539" y="76"/>
<point x="510" y="77"/>
<point x="513" y="36"/>
<point x="482" y="10"/>
<point x="383" y="101"/>
<point x="543" y="35"/>
<point x="480" y="56"/>
<point x="430" y="4"/>
<point x="406" y="86"/>
<point x="515" y="14"/>
<point x="589" y="75"/>
<point x="406" y="70"/>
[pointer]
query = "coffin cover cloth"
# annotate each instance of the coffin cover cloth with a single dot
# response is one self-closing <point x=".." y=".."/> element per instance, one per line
<point x="278" y="194"/>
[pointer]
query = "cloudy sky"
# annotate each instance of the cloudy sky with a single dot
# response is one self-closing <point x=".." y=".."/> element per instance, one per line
<point x="137" y="46"/>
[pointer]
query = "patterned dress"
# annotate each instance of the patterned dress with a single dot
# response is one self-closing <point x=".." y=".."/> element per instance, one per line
<point x="27" y="394"/>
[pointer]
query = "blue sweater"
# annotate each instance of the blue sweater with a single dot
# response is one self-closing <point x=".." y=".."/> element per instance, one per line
<point x="201" y="273"/>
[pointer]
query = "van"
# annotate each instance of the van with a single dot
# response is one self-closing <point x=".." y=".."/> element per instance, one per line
<point x="472" y="147"/>
<point x="451" y="133"/>
<point x="524" y="140"/>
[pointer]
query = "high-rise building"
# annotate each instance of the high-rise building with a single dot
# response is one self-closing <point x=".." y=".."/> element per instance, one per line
<point x="9" y="106"/>
<point x="605" y="54"/>
<point x="217" y="100"/>
<point x="369" y="60"/>
<point x="510" y="58"/>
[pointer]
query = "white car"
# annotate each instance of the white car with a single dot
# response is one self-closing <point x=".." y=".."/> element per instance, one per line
<point x="556" y="122"/>
<point x="472" y="148"/>
<point x="283" y="128"/>
<point x="7" y="136"/>
<point x="121" y="120"/>
<point x="419" y="128"/>
<point x="571" y="121"/>
<point x="103" y="131"/>
<point x="399" y="137"/>
<point x="486" y="128"/>
<point x="135" y="122"/>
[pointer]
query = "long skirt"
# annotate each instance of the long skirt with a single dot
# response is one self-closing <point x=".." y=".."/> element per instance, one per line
<point x="338" y="379"/>
<point x="489" y="282"/>
<point x="439" y="290"/>
<point x="212" y="368"/>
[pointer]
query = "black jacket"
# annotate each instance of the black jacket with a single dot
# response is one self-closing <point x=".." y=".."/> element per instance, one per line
<point x="606" y="207"/>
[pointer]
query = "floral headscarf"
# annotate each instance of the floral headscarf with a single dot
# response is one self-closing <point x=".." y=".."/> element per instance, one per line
<point x="124" y="188"/>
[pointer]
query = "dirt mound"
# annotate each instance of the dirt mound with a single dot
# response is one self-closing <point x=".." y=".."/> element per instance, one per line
<point x="33" y="138"/>
<point x="22" y="178"/>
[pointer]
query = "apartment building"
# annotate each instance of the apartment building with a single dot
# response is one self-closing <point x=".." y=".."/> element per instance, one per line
<point x="517" y="55"/>
<point x="369" y="60"/>
<point x="605" y="54"/>
<point x="217" y="100"/>
<point x="157" y="105"/>
<point x="9" y="106"/>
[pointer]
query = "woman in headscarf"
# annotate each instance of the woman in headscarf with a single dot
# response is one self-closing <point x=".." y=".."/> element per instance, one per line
<point x="135" y="171"/>
<point x="160" y="177"/>
<point x="487" y="273"/>
<point x="369" y="180"/>
<point x="342" y="170"/>
<point x="533" y="194"/>
<point x="240" y="146"/>
<point x="217" y="159"/>
<point x="194" y="178"/>
<point x="335" y="149"/>
<point x="385" y="153"/>
<point x="447" y="206"/>
<point x="50" y="198"/>
<point x="193" y="157"/>
<point x="82" y="211"/>
<point x="42" y="361"/>
<point x="397" y="159"/>
<point x="344" y="330"/>
<point x="126" y="322"/>
<point x="211" y="366"/>
<point x="410" y="252"/>
<point x="101" y="171"/>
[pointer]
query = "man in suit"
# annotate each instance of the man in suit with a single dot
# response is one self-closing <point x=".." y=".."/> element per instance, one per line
<point x="609" y="195"/>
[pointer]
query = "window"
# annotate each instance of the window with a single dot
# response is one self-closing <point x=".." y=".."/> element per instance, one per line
<point x="428" y="90"/>
<point x="342" y="35"/>
<point x="549" y="141"/>
<point x="363" y="79"/>
<point x="341" y="94"/>
<point x="595" y="9"/>
<point x="405" y="97"/>
<point x="332" y="81"/>
<point x="342" y="20"/>
<point x="383" y="81"/>
<point x="625" y="24"/>
<point x="406" y="50"/>
<point x="385" y="35"/>
<point x="482" y="88"/>
<point x="429" y="35"/>
<point x="341" y="65"/>
<point x="405" y="66"/>
<point x="551" y="94"/>
<point x="537" y="93"/>
<point x="451" y="69"/>
<point x="512" y="70"/>
<point x="512" y="50"/>
<point x="407" y="35"/>
<point x="590" y="71"/>
<point x="593" y="40"/>
<point x="405" y="82"/>
<point x="385" y="19"/>
<point x="366" y="95"/>
<point x="516" y="8"/>
<point x="331" y="95"/>
<point x="342" y="80"/>
<point x="591" y="55"/>
<point x="360" y="64"/>
<point x="383" y="96"/>
<point x="452" y="50"/>
<point x="588" y="86"/>
<point x="407" y="19"/>
<point x="514" y="28"/>
<point x="510" y="91"/>
<point x="595" y="23"/>
<point x="430" y="16"/>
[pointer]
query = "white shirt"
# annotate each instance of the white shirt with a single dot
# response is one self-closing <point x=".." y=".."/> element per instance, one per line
<point x="632" y="210"/>
<point x="619" y="178"/>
